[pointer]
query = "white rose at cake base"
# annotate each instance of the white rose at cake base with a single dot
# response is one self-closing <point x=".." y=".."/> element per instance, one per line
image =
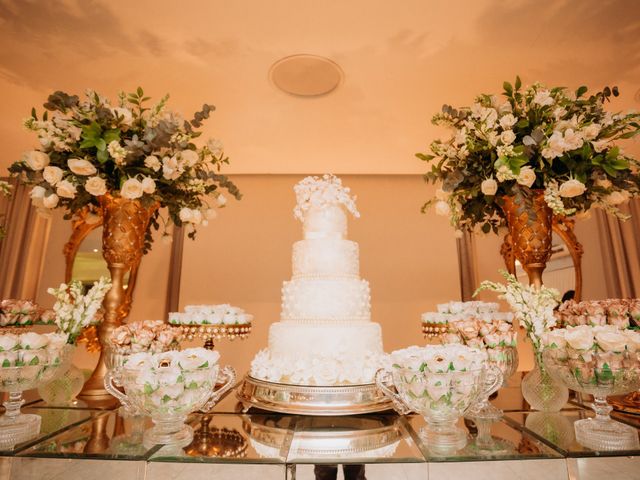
<point x="325" y="336"/>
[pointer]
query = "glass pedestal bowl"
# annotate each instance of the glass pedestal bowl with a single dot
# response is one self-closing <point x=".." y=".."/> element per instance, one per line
<point x="15" y="426"/>
<point x="161" y="387"/>
<point x="441" y="398"/>
<point x="599" y="374"/>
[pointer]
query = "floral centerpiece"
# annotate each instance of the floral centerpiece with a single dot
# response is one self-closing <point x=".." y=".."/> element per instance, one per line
<point x="533" y="307"/>
<point x="619" y="312"/>
<point x="152" y="336"/>
<point x="536" y="152"/>
<point x="75" y="310"/>
<point x="599" y="360"/>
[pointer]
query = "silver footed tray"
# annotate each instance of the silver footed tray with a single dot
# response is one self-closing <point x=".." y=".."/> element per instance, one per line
<point x="311" y="399"/>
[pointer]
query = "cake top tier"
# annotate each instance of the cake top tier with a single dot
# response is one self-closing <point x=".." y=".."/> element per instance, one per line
<point x="321" y="205"/>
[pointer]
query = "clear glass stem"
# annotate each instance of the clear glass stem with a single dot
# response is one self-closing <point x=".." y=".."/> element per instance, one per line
<point x="483" y="438"/>
<point x="601" y="407"/>
<point x="13" y="404"/>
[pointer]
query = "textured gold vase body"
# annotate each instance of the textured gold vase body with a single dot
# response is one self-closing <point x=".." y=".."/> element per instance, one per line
<point x="125" y="223"/>
<point x="530" y="223"/>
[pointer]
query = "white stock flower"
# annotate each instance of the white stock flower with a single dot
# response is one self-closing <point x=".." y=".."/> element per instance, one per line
<point x="489" y="186"/>
<point x="131" y="189"/>
<point x="526" y="177"/>
<point x="148" y="185"/>
<point x="442" y="208"/>
<point x="153" y="163"/>
<point x="96" y="186"/>
<point x="116" y="151"/>
<point x="507" y="137"/>
<point x="507" y="121"/>
<point x="35" y="160"/>
<point x="66" y="189"/>
<point x="572" y="188"/>
<point x="52" y="174"/>
<point x="80" y="166"/>
<point x="50" y="201"/>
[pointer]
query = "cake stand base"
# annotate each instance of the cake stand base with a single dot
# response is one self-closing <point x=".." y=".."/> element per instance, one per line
<point x="311" y="399"/>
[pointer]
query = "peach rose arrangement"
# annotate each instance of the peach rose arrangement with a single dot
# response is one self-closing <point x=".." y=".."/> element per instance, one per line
<point x="149" y="336"/>
<point x="622" y="313"/>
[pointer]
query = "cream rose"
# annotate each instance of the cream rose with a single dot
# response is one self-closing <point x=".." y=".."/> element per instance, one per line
<point x="189" y="157"/>
<point x="80" y="166"/>
<point x="148" y="185"/>
<point x="580" y="338"/>
<point x="96" y="186"/>
<point x="186" y="214"/>
<point x="442" y="208"/>
<point x="572" y="188"/>
<point x="33" y="341"/>
<point x="8" y="342"/>
<point x="526" y="177"/>
<point x="591" y="131"/>
<point x="507" y="121"/>
<point x="37" y="195"/>
<point x="612" y="341"/>
<point x="124" y="115"/>
<point x="66" y="189"/>
<point x="489" y="186"/>
<point x="50" y="201"/>
<point x="131" y="189"/>
<point x="36" y="160"/>
<point x="52" y="174"/>
<point x="507" y="137"/>
<point x="153" y="163"/>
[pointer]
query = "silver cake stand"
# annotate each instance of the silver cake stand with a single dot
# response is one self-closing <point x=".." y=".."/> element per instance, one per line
<point x="311" y="399"/>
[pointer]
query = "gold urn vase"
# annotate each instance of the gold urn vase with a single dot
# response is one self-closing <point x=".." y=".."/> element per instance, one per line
<point x="125" y="223"/>
<point x="530" y="223"/>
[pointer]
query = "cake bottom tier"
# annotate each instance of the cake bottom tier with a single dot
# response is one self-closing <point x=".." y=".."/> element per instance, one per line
<point x="304" y="354"/>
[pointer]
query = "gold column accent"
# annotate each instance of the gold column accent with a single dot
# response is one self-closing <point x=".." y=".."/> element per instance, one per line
<point x="125" y="223"/>
<point x="529" y="220"/>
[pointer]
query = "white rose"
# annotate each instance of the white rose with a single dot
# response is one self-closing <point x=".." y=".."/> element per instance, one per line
<point x="526" y="177"/>
<point x="8" y="359"/>
<point x="96" y="186"/>
<point x="33" y="341"/>
<point x="37" y="195"/>
<point x="66" y="189"/>
<point x="8" y="341"/>
<point x="131" y="189"/>
<point x="215" y="147"/>
<point x="612" y="341"/>
<point x="442" y="208"/>
<point x="543" y="98"/>
<point x="580" y="338"/>
<point x="50" y="201"/>
<point x="189" y="157"/>
<point x="554" y="337"/>
<point x="572" y="188"/>
<point x="507" y="121"/>
<point x="148" y="185"/>
<point x="507" y="137"/>
<point x="153" y="163"/>
<point x="138" y="361"/>
<point x="617" y="198"/>
<point x="36" y="160"/>
<point x="125" y="114"/>
<point x="80" y="166"/>
<point x="52" y="174"/>
<point x="186" y="214"/>
<point x="196" y="217"/>
<point x="489" y="186"/>
<point x="222" y="200"/>
<point x="591" y="131"/>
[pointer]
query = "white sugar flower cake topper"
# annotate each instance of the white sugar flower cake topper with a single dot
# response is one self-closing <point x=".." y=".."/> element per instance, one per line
<point x="317" y="192"/>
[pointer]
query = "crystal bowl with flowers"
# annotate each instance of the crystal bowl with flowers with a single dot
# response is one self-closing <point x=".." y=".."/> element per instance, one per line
<point x="27" y="361"/>
<point x="440" y="382"/>
<point x="600" y="361"/>
<point x="168" y="387"/>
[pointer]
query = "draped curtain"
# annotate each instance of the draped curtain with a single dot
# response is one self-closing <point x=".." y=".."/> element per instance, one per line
<point x="621" y="251"/>
<point x="22" y="251"/>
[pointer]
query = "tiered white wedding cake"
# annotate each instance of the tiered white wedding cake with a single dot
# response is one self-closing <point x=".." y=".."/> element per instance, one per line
<point x="325" y="336"/>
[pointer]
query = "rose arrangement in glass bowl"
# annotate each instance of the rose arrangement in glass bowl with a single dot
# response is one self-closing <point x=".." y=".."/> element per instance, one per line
<point x="440" y="382"/>
<point x="600" y="361"/>
<point x="620" y="312"/>
<point x="27" y="361"/>
<point x="169" y="386"/>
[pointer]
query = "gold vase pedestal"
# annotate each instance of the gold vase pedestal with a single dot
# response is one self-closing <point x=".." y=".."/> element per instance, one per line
<point x="125" y="223"/>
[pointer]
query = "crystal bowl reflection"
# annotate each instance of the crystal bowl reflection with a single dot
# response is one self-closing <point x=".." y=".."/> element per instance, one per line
<point x="599" y="374"/>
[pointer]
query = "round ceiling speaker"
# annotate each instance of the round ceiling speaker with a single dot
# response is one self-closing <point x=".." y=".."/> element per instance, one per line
<point x="306" y="75"/>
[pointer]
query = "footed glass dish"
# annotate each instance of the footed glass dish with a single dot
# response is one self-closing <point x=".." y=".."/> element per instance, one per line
<point x="15" y="426"/>
<point x="599" y="374"/>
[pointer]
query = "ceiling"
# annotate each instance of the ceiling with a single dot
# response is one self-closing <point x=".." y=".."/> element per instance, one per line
<point x="401" y="61"/>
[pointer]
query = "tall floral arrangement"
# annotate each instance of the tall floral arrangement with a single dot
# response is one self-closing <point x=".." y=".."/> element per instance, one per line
<point x="552" y="139"/>
<point x="533" y="307"/>
<point x="129" y="149"/>
<point x="74" y="310"/>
